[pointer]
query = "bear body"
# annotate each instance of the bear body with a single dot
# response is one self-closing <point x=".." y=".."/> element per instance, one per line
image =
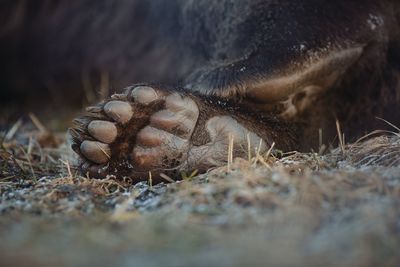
<point x="296" y="65"/>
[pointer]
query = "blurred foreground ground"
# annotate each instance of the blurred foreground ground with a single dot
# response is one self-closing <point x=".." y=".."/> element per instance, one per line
<point x="337" y="209"/>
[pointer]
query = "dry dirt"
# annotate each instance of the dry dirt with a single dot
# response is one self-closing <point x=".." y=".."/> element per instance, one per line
<point x="340" y="208"/>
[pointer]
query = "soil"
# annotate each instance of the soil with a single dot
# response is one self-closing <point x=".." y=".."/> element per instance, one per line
<point x="336" y="208"/>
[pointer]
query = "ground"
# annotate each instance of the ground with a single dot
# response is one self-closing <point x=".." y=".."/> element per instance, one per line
<point x="335" y="207"/>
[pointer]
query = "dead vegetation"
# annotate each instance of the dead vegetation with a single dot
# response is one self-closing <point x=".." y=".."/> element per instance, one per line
<point x="296" y="209"/>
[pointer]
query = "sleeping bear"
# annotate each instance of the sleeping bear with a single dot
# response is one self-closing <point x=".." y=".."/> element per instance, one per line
<point x="211" y="79"/>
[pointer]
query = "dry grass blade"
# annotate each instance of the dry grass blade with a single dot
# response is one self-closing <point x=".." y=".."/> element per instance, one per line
<point x="66" y="163"/>
<point x="376" y="132"/>
<point x="37" y="123"/>
<point x="270" y="150"/>
<point x="167" y="178"/>
<point x="10" y="134"/>
<point x="230" y="152"/>
<point x="28" y="159"/>
<point x="391" y="124"/>
<point x="150" y="179"/>
<point x="102" y="150"/>
<point x="258" y="157"/>
<point x="340" y="136"/>
<point x="248" y="147"/>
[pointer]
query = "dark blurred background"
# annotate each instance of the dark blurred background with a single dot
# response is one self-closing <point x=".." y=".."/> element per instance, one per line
<point x="56" y="54"/>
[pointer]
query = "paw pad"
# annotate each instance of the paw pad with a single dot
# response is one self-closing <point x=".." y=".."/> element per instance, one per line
<point x="96" y="152"/>
<point x="119" y="111"/>
<point x="144" y="94"/>
<point x="103" y="131"/>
